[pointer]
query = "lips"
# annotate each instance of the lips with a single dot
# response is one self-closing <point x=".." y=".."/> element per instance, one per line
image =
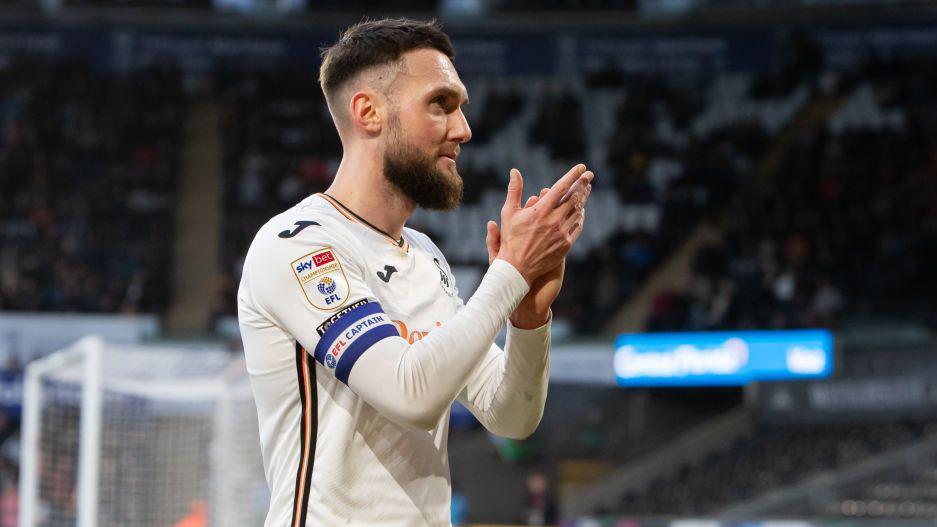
<point x="451" y="154"/>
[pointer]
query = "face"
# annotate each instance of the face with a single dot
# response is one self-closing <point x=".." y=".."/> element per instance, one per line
<point x="425" y="127"/>
<point x="537" y="484"/>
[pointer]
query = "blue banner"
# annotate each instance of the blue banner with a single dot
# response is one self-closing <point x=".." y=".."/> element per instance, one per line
<point x="722" y="358"/>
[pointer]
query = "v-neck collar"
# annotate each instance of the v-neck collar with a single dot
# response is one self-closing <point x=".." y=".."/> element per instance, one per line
<point x="351" y="216"/>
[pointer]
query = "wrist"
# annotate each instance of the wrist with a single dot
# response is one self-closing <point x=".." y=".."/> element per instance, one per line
<point x="520" y="270"/>
<point x="525" y="318"/>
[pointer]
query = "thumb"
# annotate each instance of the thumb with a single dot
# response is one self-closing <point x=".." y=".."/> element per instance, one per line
<point x="515" y="191"/>
<point x="493" y="241"/>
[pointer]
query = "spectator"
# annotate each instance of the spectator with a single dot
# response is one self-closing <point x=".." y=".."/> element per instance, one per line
<point x="87" y="167"/>
<point x="541" y="507"/>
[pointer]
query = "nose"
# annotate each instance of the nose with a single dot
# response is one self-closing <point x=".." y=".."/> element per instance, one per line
<point x="459" y="130"/>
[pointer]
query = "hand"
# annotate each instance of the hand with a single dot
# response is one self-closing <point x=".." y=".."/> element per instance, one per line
<point x="534" y="309"/>
<point x="535" y="239"/>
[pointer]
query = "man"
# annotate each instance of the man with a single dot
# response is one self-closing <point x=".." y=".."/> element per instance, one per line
<point x="356" y="341"/>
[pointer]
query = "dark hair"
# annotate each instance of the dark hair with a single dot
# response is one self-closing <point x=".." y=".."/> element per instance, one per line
<point x="373" y="42"/>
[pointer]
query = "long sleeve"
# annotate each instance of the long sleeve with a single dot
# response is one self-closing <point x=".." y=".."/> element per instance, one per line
<point x="291" y="281"/>
<point x="508" y="390"/>
<point x="416" y="383"/>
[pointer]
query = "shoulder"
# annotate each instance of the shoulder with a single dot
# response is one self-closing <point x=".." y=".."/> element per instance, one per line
<point x="299" y="233"/>
<point x="303" y="253"/>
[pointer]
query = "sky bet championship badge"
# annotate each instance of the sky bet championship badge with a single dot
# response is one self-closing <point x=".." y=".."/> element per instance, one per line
<point x="322" y="279"/>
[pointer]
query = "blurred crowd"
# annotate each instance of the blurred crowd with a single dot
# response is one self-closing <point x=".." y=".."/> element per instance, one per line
<point x="846" y="227"/>
<point x="279" y="146"/>
<point x="89" y="164"/>
<point x="656" y="156"/>
<point x="88" y="168"/>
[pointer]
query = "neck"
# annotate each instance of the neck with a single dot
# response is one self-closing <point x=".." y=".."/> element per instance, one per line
<point x="361" y="186"/>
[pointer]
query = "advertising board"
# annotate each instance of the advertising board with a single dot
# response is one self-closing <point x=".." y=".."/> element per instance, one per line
<point x="722" y="358"/>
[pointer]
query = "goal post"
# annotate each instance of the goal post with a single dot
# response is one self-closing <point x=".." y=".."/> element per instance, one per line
<point x="148" y="436"/>
<point x="68" y="359"/>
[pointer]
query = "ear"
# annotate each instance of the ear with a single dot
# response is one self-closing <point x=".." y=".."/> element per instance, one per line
<point x="366" y="111"/>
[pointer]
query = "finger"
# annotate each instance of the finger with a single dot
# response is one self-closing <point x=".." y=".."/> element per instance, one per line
<point x="570" y="221"/>
<point x="576" y="209"/>
<point x="493" y="241"/>
<point x="515" y="191"/>
<point x="576" y="229"/>
<point x="543" y="192"/>
<point x="579" y="186"/>
<point x="584" y="198"/>
<point x="577" y="197"/>
<point x="561" y="187"/>
<point x="531" y="201"/>
<point x="586" y="194"/>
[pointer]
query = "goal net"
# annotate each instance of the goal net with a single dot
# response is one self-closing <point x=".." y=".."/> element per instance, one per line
<point x="140" y="436"/>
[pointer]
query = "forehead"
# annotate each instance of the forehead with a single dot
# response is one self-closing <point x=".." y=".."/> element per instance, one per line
<point x="426" y="70"/>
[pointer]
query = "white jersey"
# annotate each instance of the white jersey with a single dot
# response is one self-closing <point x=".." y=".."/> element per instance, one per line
<point x="321" y="287"/>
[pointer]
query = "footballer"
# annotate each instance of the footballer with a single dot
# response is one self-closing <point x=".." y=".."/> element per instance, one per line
<point x="355" y="338"/>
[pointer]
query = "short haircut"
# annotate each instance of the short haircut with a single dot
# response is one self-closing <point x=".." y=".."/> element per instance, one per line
<point x="375" y="42"/>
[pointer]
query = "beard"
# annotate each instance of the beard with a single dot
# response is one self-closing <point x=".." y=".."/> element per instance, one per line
<point x="417" y="176"/>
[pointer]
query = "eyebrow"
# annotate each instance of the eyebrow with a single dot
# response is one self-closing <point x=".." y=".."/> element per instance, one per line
<point x="450" y="92"/>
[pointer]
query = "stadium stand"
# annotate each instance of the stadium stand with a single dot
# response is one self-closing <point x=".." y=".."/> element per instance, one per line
<point x="88" y="168"/>
<point x="88" y="171"/>
<point x="850" y="198"/>
<point x="902" y="490"/>
<point x="853" y="197"/>
<point x="772" y="457"/>
<point x="280" y="146"/>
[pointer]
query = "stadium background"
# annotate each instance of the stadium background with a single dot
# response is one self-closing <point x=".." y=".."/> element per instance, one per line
<point x="761" y="165"/>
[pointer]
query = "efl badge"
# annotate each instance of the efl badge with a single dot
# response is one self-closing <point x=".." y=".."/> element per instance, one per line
<point x="322" y="279"/>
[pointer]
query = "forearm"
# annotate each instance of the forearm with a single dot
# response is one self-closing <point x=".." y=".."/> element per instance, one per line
<point x="416" y="383"/>
<point x="511" y="390"/>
